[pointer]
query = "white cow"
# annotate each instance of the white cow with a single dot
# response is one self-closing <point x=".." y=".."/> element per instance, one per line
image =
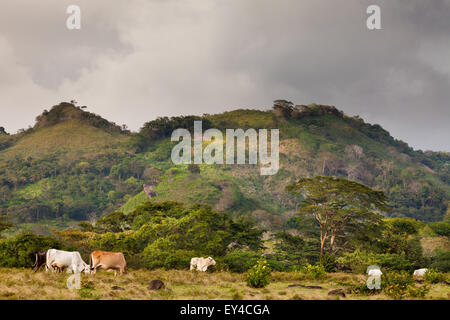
<point x="420" y="272"/>
<point x="64" y="259"/>
<point x="202" y="264"/>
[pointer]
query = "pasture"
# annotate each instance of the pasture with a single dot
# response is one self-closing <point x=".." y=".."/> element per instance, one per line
<point x="23" y="284"/>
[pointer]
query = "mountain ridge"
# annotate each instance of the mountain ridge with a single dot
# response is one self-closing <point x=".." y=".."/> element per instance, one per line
<point x="94" y="166"/>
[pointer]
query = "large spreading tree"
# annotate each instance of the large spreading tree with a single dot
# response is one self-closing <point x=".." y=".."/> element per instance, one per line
<point x="342" y="208"/>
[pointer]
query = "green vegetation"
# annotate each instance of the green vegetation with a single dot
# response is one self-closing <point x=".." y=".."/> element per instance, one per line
<point x="19" y="251"/>
<point x="341" y="208"/>
<point x="75" y="165"/>
<point x="434" y="276"/>
<point x="315" y="272"/>
<point x="355" y="197"/>
<point x="165" y="235"/>
<point x="259" y="275"/>
<point x="396" y="284"/>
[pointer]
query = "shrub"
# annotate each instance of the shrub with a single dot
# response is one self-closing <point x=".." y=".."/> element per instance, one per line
<point x="180" y="259"/>
<point x="162" y="254"/>
<point x="434" y="276"/>
<point x="19" y="251"/>
<point x="441" y="228"/>
<point x="395" y="291"/>
<point x="315" y="272"/>
<point x="358" y="261"/>
<point x="259" y="275"/>
<point x="329" y="262"/>
<point x="441" y="261"/>
<point x="240" y="260"/>
<point x="395" y="284"/>
<point x="363" y="289"/>
<point x="418" y="292"/>
<point x="277" y="262"/>
<point x="397" y="262"/>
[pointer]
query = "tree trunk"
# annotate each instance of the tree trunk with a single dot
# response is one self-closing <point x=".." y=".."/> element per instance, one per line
<point x="323" y="237"/>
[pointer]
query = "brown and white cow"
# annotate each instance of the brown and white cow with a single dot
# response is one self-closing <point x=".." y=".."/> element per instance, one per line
<point x="108" y="261"/>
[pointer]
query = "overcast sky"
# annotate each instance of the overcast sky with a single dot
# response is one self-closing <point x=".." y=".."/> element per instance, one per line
<point x="135" y="60"/>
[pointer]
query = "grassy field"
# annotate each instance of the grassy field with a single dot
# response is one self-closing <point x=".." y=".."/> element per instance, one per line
<point x="24" y="284"/>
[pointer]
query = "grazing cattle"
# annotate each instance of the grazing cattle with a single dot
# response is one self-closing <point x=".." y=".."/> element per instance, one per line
<point x="420" y="272"/>
<point x="202" y="264"/>
<point x="41" y="258"/>
<point x="57" y="269"/>
<point x="108" y="261"/>
<point x="57" y="260"/>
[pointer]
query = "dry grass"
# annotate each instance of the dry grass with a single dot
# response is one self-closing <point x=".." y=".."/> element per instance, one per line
<point x="24" y="284"/>
<point x="84" y="140"/>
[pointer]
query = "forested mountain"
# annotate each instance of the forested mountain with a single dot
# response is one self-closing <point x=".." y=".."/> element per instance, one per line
<point x="74" y="165"/>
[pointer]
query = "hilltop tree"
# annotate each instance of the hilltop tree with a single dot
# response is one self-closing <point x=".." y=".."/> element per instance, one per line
<point x="342" y="208"/>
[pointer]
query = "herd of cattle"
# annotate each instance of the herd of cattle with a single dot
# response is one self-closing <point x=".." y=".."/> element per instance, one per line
<point x="58" y="260"/>
<point x="54" y="260"/>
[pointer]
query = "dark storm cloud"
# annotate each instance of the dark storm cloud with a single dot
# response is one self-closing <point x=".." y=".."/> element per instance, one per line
<point x="133" y="62"/>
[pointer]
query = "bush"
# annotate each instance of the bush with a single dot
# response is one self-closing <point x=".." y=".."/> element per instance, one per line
<point x="162" y="254"/>
<point x="395" y="291"/>
<point x="315" y="272"/>
<point x="434" y="276"/>
<point x="397" y="262"/>
<point x="441" y="228"/>
<point x="418" y="292"/>
<point x="395" y="284"/>
<point x="329" y="262"/>
<point x="358" y="261"/>
<point x="361" y="288"/>
<point x="279" y="262"/>
<point x="240" y="260"/>
<point x="259" y="275"/>
<point x="19" y="251"/>
<point x="441" y="261"/>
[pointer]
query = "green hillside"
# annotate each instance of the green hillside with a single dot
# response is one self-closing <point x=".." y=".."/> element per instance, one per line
<point x="69" y="140"/>
<point x="74" y="165"/>
<point x="322" y="141"/>
<point x="61" y="168"/>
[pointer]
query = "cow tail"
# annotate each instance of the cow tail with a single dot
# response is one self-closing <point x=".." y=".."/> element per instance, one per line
<point x="90" y="261"/>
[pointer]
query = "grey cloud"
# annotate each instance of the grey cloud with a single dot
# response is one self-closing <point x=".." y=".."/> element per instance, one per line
<point x="133" y="62"/>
